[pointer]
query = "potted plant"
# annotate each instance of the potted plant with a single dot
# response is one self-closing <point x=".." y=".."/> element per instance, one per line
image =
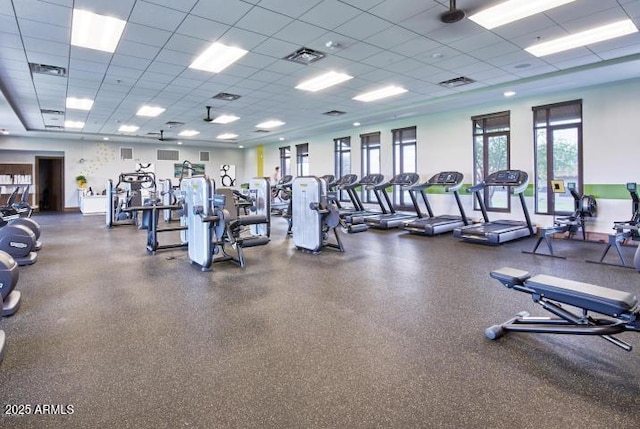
<point x="81" y="180"/>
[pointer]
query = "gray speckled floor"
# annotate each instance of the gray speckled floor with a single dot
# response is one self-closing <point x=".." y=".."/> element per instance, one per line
<point x="388" y="334"/>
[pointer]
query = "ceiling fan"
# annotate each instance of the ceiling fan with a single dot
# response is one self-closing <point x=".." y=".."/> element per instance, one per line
<point x="453" y="14"/>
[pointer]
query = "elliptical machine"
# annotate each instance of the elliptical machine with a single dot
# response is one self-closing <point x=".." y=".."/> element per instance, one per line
<point x="10" y="297"/>
<point x="18" y="241"/>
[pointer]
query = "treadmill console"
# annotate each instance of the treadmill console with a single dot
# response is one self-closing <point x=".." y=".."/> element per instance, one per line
<point x="446" y="178"/>
<point x="632" y="187"/>
<point x="405" y="179"/>
<point x="506" y="178"/>
<point x="372" y="179"/>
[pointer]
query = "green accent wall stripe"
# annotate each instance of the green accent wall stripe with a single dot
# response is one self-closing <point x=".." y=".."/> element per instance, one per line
<point x="600" y="191"/>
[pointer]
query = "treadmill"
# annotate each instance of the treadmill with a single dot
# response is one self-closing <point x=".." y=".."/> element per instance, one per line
<point x="342" y="184"/>
<point x="433" y="225"/>
<point x="368" y="183"/>
<point x="499" y="231"/>
<point x="394" y="219"/>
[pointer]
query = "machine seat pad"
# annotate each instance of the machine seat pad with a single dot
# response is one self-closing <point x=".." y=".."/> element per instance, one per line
<point x="510" y="276"/>
<point x="584" y="295"/>
<point x="251" y="220"/>
<point x="253" y="241"/>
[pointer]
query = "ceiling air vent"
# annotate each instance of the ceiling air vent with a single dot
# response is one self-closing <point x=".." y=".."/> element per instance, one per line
<point x="54" y="127"/>
<point x="51" y="112"/>
<point x="459" y="81"/>
<point x="261" y="131"/>
<point x="226" y="96"/>
<point x="334" y="113"/>
<point x="305" y="56"/>
<point x="204" y="156"/>
<point x="47" y="69"/>
<point x="173" y="124"/>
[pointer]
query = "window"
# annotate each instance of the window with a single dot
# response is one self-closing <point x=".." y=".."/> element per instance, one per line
<point x="342" y="151"/>
<point x="370" y="147"/>
<point x="491" y="146"/>
<point x="404" y="161"/>
<point x="558" y="154"/>
<point x="285" y="161"/>
<point x="302" y="159"/>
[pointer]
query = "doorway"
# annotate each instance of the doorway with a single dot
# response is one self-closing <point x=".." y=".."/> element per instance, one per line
<point x="50" y="179"/>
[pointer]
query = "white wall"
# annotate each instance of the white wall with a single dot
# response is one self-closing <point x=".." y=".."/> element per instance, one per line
<point x="610" y="149"/>
<point x="100" y="160"/>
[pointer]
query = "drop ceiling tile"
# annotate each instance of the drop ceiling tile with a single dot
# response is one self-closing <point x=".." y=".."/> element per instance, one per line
<point x="391" y="37"/>
<point x="299" y="32"/>
<point x="135" y="49"/>
<point x="123" y="73"/>
<point x="263" y="21"/>
<point x="619" y="42"/>
<point x="518" y="57"/>
<point x="166" y="68"/>
<point x="185" y="83"/>
<point x="52" y="60"/>
<point x="243" y="39"/>
<point x="199" y="75"/>
<point x="266" y="76"/>
<point x="383" y="59"/>
<point x="148" y="84"/>
<point x="11" y="40"/>
<point x="289" y="8"/>
<point x="187" y="45"/>
<point x="529" y="26"/>
<point x="156" y="16"/>
<point x="605" y="17"/>
<point x="407" y="64"/>
<point x="202" y="28"/>
<point x="45" y="46"/>
<point x="330" y="14"/>
<point x="276" y="48"/>
<point x="11" y="54"/>
<point x="259" y="61"/>
<point x="534" y="71"/>
<point x="362" y="26"/>
<point x="130" y="62"/>
<point x="400" y="10"/>
<point x="620" y="52"/>
<point x="90" y="66"/>
<point x="359" y="51"/>
<point x="496" y="50"/>
<point x="225" y="79"/>
<point x="174" y="57"/>
<point x="116" y="8"/>
<point x="145" y="35"/>
<point x="8" y="25"/>
<point x="223" y="11"/>
<point x="416" y="46"/>
<point x="238" y="70"/>
<point x="451" y="33"/>
<point x="42" y="11"/>
<point x="578" y="10"/>
<point x="423" y="22"/>
<point x="183" y="5"/>
<point x="156" y="77"/>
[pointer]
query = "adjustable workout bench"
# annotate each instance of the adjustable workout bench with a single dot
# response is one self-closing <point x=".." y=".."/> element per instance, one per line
<point x="621" y="308"/>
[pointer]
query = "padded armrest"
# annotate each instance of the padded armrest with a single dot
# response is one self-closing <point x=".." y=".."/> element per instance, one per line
<point x="584" y="295"/>
<point x="510" y="276"/>
<point x="250" y="220"/>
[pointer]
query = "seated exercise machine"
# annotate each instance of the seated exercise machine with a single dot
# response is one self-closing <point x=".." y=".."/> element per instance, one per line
<point x="394" y="218"/>
<point x="584" y="206"/>
<point x="19" y="241"/>
<point x="10" y="297"/>
<point x="625" y="230"/>
<point x="212" y="228"/>
<point x="120" y="200"/>
<point x="313" y="215"/>
<point x="621" y="310"/>
<point x="432" y="225"/>
<point x="499" y="231"/>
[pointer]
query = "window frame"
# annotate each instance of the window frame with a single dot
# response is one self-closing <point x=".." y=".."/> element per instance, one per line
<point x="302" y="155"/>
<point x="486" y="136"/>
<point x="368" y="142"/>
<point x="403" y="201"/>
<point x="285" y="155"/>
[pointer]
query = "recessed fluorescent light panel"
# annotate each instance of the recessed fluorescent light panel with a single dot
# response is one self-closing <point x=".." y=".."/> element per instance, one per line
<point x="378" y="94"/>
<point x="588" y="37"/>
<point x="509" y="93"/>
<point x="217" y="57"/>
<point x="93" y="31"/>
<point x="79" y="103"/>
<point x="270" y="124"/>
<point x="150" y="111"/>
<point x="323" y="81"/>
<point x="513" y="10"/>
<point x="189" y="133"/>
<point x="225" y="119"/>
<point x="73" y="124"/>
<point x="128" y="128"/>
<point x="227" y="136"/>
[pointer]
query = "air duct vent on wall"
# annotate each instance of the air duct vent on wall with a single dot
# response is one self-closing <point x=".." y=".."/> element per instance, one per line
<point x="204" y="156"/>
<point x="47" y="69"/>
<point x="334" y="113"/>
<point x="304" y="56"/>
<point x="226" y="96"/>
<point x="126" y="153"/>
<point x="459" y="81"/>
<point x="168" y="155"/>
